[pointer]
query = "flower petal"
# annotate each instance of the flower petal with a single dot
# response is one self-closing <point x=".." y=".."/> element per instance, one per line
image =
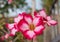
<point x="23" y="26"/>
<point x="38" y="30"/>
<point x="48" y="24"/>
<point x="28" y="19"/>
<point x="17" y="19"/>
<point x="6" y="36"/>
<point x="48" y="18"/>
<point x="9" y="26"/>
<point x="35" y="13"/>
<point x="52" y="22"/>
<point x="29" y="34"/>
<point x="36" y="21"/>
<point x="43" y="13"/>
<point x="12" y="32"/>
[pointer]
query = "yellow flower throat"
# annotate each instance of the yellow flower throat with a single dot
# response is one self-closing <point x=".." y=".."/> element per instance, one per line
<point x="32" y="27"/>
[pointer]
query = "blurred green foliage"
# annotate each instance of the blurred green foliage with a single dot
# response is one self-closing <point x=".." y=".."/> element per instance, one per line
<point x="47" y="5"/>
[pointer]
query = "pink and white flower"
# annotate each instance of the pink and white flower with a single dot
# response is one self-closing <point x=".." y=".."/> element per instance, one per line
<point x="13" y="32"/>
<point x="12" y="28"/>
<point x="30" y="26"/>
<point x="47" y="19"/>
<point x="50" y="21"/>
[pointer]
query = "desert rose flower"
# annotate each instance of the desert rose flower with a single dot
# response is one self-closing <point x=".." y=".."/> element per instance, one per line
<point x="12" y="28"/>
<point x="13" y="32"/>
<point x="47" y="19"/>
<point x="30" y="27"/>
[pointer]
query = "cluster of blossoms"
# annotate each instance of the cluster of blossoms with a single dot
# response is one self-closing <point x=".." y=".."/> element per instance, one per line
<point x="30" y="26"/>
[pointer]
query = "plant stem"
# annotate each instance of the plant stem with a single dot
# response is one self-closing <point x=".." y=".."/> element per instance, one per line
<point x="16" y="38"/>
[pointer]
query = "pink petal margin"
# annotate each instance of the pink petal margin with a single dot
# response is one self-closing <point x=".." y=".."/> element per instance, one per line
<point x="23" y="26"/>
<point x="28" y="18"/>
<point x="29" y="35"/>
<point x="52" y="22"/>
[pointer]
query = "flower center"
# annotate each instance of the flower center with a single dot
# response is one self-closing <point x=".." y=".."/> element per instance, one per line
<point x="32" y="27"/>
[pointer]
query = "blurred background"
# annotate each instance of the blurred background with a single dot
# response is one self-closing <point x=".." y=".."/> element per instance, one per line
<point x="9" y="11"/>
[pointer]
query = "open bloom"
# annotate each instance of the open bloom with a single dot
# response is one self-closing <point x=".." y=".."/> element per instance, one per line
<point x="47" y="19"/>
<point x="31" y="26"/>
<point x="12" y="28"/>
